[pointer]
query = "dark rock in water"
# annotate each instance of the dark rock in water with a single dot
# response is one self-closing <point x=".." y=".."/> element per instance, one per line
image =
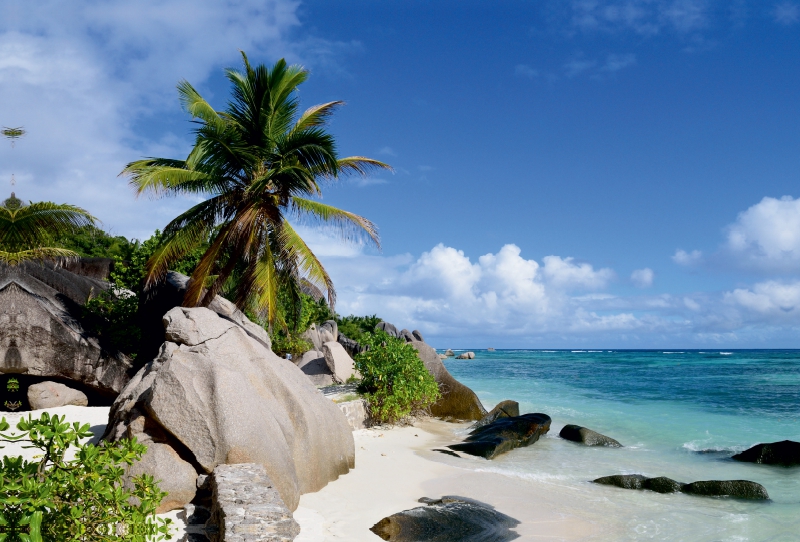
<point x="504" y="434"/>
<point x="417" y="335"/>
<point x="388" y="328"/>
<point x="446" y="520"/>
<point x="785" y="453"/>
<point x="739" y="489"/>
<point x="662" y="484"/>
<point x="504" y="409"/>
<point x="458" y="402"/>
<point x="625" y="481"/>
<point x="576" y="433"/>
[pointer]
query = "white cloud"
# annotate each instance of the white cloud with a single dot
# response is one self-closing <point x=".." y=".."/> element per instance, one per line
<point x="767" y="235"/>
<point x="563" y="273"/>
<point x="643" y="278"/>
<point x="575" y="67"/>
<point x="506" y="299"/>
<point x="387" y="151"/>
<point x="787" y="13"/>
<point x="89" y="79"/>
<point x="780" y="300"/>
<point x="523" y="70"/>
<point x="682" y="257"/>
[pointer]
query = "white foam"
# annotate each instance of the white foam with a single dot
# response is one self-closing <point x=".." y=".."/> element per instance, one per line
<point x="725" y="353"/>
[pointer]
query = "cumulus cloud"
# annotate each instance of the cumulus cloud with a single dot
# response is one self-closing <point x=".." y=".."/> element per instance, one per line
<point x="643" y="278"/>
<point x="767" y="235"/>
<point x="92" y="80"/>
<point x="777" y="300"/>
<point x="681" y="257"/>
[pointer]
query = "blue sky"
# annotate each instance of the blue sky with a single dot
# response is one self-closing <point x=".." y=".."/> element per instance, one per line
<point x="573" y="173"/>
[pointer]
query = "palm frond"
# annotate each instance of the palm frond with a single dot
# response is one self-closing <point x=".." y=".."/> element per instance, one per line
<point x="351" y="226"/>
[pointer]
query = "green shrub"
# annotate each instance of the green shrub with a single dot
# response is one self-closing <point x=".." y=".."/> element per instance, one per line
<point x="283" y="344"/>
<point x="82" y="499"/>
<point x="394" y="380"/>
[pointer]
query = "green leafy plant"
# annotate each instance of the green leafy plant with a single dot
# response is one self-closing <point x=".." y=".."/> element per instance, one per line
<point x="394" y="380"/>
<point x="82" y="499"/>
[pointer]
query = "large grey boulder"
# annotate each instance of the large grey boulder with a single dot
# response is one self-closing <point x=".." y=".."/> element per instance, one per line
<point x="737" y="489"/>
<point x="388" y="328"/>
<point x="466" y="355"/>
<point x="503" y="409"/>
<point x="53" y="394"/>
<point x="315" y="367"/>
<point x="328" y="331"/>
<point x="218" y="396"/>
<point x="312" y="336"/>
<point x="340" y="364"/>
<point x="458" y="402"/>
<point x="40" y="315"/>
<point x="169" y="294"/>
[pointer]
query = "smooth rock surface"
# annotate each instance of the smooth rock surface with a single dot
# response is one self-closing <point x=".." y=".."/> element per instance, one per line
<point x="466" y="355"/>
<point x="503" y="435"/>
<point x="315" y="367"/>
<point x="417" y="335"/>
<point x="503" y="409"/>
<point x="448" y="519"/>
<point x="458" y="402"/>
<point x="739" y="489"/>
<point x="660" y="484"/>
<point x="449" y="353"/>
<point x="328" y="331"/>
<point x="220" y="397"/>
<point x="586" y="436"/>
<point x="168" y="295"/>
<point x="339" y="362"/>
<point x="40" y="315"/>
<point x="53" y="394"/>
<point x="785" y="453"/>
<point x="388" y="328"/>
<point x="406" y="335"/>
<point x="352" y="347"/>
<point x="176" y="476"/>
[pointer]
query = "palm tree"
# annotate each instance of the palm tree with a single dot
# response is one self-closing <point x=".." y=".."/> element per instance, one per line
<point x="26" y="229"/>
<point x="258" y="163"/>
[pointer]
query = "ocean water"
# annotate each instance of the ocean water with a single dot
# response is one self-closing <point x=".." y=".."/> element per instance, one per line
<point x="680" y="414"/>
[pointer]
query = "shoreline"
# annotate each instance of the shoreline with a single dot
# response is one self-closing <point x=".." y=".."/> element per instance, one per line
<point x="395" y="467"/>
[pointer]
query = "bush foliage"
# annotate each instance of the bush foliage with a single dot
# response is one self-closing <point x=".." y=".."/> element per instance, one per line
<point x="81" y="499"/>
<point x="394" y="380"/>
<point x="357" y="327"/>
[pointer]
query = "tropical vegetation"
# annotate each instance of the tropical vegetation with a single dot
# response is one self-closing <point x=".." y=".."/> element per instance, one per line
<point x="394" y="379"/>
<point x="258" y="164"/>
<point x="80" y="499"/>
<point x="27" y="230"/>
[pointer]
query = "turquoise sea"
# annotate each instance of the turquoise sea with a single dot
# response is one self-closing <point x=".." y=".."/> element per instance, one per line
<point x="680" y="414"/>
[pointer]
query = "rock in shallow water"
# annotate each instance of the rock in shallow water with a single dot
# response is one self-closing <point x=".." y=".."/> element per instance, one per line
<point x="785" y="453"/>
<point x="504" y="409"/>
<point x="739" y="489"/>
<point x="586" y="436"/>
<point x="503" y="435"/>
<point x="446" y="520"/>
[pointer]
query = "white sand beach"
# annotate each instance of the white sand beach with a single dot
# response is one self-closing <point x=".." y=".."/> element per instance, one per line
<point x="395" y="467"/>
